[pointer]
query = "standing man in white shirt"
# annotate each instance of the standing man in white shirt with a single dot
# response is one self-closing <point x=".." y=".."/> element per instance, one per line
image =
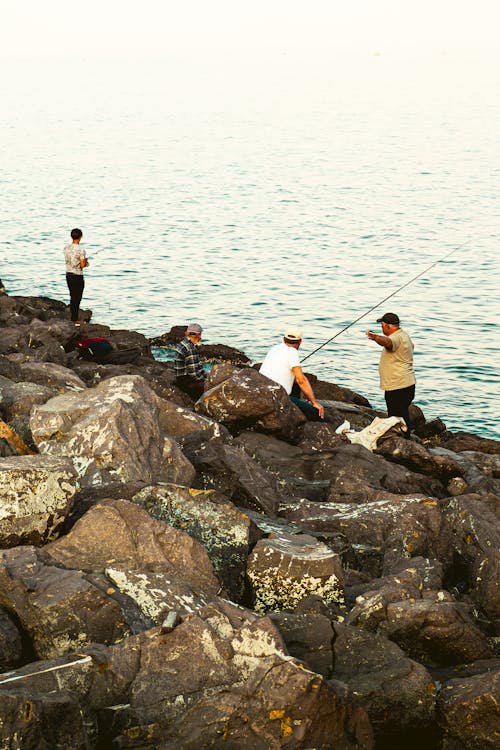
<point x="397" y="378"/>
<point x="282" y="364"/>
<point x="76" y="261"/>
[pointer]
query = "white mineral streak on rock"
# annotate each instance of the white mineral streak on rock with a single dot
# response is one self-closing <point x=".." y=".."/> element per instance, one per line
<point x="151" y="601"/>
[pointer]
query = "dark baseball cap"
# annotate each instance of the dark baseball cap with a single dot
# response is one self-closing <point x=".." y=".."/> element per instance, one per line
<point x="390" y="318"/>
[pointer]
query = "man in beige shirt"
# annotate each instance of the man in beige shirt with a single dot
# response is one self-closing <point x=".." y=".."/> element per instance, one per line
<point x="397" y="378"/>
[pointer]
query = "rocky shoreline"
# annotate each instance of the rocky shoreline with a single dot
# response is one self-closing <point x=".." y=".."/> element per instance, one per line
<point x="224" y="574"/>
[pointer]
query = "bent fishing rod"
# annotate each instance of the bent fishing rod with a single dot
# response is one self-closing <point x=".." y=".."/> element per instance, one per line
<point x="384" y="300"/>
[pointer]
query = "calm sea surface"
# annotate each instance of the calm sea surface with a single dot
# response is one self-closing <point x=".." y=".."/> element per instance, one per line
<point x="247" y="198"/>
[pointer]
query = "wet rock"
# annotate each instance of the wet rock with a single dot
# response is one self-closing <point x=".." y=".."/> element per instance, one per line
<point x="246" y="399"/>
<point x="10" y="643"/>
<point x="37" y="496"/>
<point x="284" y="569"/>
<point x="397" y="693"/>
<point x="475" y="542"/>
<point x="112" y="433"/>
<point x="224" y="531"/>
<point x="467" y="712"/>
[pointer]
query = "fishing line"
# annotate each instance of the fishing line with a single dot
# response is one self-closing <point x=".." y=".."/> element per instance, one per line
<point x="384" y="300"/>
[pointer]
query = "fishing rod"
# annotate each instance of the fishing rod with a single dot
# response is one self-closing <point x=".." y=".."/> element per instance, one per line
<point x="384" y="300"/>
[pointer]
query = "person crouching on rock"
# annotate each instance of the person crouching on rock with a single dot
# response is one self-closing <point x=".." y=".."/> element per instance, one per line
<point x="282" y="364"/>
<point x="397" y="378"/>
<point x="189" y="374"/>
<point x="76" y="261"/>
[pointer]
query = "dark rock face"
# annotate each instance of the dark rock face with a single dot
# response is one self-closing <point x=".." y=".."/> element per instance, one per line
<point x="468" y="712"/>
<point x="10" y="643"/>
<point x="473" y="524"/>
<point x="139" y="510"/>
<point x="381" y="676"/>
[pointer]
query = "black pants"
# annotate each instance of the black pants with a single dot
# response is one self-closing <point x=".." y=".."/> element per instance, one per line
<point x="398" y="403"/>
<point x="75" y="286"/>
<point x="189" y="385"/>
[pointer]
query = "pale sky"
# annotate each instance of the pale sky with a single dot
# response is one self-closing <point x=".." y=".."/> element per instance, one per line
<point x="213" y="30"/>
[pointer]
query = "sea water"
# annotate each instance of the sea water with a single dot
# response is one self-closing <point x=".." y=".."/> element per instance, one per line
<point x="247" y="198"/>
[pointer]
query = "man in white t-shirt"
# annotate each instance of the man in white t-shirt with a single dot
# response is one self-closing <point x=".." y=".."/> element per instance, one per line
<point x="282" y="364"/>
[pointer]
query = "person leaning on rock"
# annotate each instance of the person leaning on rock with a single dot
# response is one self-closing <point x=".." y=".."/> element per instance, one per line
<point x="76" y="261"/>
<point x="189" y="374"/>
<point x="282" y="364"/>
<point x="397" y="378"/>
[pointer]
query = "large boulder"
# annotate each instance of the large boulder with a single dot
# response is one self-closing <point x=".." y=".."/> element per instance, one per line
<point x="428" y="625"/>
<point x="37" y="496"/>
<point x="225" y="532"/>
<point x="230" y="470"/>
<point x="466" y="441"/>
<point x="397" y="693"/>
<point x="58" y="610"/>
<point x="249" y="399"/>
<point x="472" y="522"/>
<point x="51" y="375"/>
<point x="112" y="432"/>
<point x="284" y="569"/>
<point x="222" y="677"/>
<point x="398" y="527"/>
<point x="17" y="399"/>
<point x="467" y="712"/>
<point x="417" y="458"/>
<point x="119" y="571"/>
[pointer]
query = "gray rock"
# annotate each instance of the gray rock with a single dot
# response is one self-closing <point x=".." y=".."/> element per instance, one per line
<point x="58" y="610"/>
<point x="222" y="676"/>
<point x="417" y="458"/>
<point x="51" y="375"/>
<point x="112" y="433"/>
<point x="37" y="496"/>
<point x="400" y="527"/>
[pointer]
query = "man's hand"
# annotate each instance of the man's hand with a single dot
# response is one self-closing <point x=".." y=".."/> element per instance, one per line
<point x="320" y="408"/>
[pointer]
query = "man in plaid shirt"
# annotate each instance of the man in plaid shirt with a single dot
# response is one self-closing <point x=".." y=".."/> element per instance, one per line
<point x="189" y="373"/>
